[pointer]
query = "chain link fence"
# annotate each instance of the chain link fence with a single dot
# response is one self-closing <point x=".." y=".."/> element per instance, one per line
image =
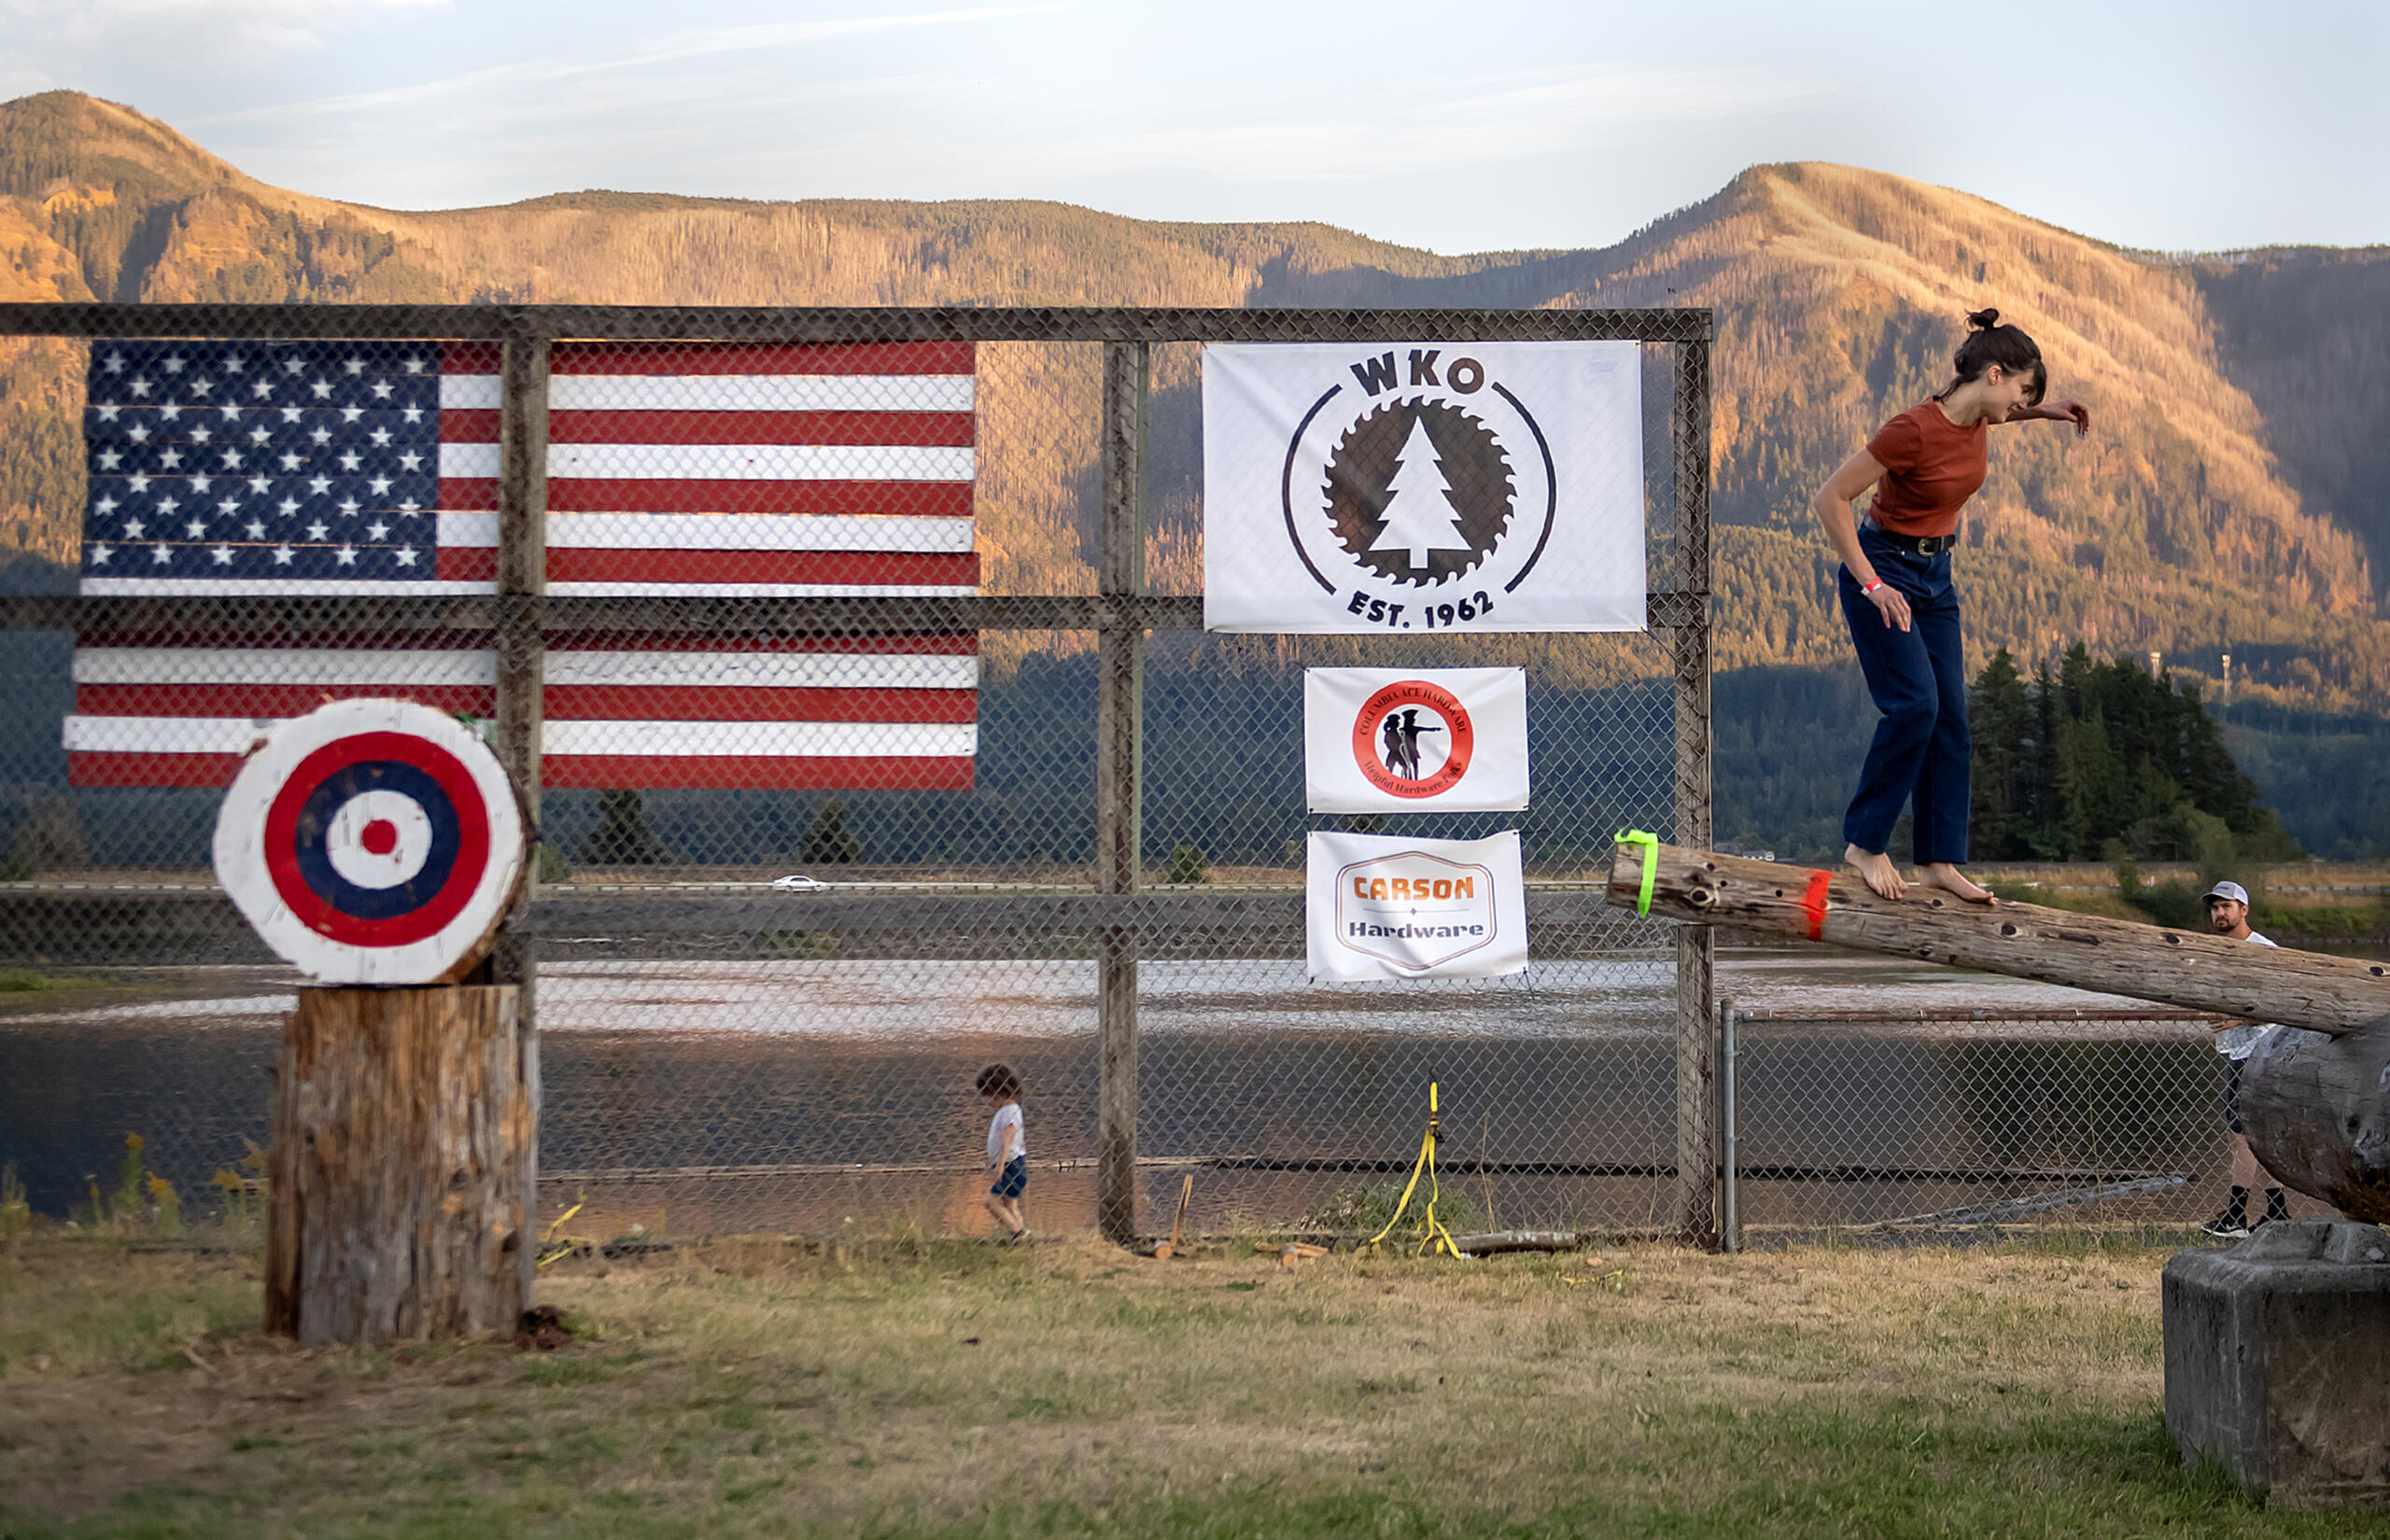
<point x="1883" y="1120"/>
<point x="903" y="604"/>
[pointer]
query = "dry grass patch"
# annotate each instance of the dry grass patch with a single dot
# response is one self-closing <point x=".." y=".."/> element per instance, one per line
<point x="1067" y="1388"/>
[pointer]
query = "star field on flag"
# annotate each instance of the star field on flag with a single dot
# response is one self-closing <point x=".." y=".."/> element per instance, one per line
<point x="310" y="465"/>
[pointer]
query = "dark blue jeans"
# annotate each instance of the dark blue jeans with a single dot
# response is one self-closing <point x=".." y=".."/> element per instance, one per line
<point x="1918" y="677"/>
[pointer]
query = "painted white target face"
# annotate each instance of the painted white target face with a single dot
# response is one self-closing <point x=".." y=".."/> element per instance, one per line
<point x="378" y="839"/>
<point x="373" y="842"/>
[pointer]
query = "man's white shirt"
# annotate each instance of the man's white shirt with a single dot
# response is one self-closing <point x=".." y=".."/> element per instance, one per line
<point x="2236" y="1042"/>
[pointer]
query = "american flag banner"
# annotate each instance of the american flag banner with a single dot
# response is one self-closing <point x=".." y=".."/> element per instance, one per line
<point x="734" y="470"/>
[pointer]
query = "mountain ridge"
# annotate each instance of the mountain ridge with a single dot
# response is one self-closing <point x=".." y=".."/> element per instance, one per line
<point x="2225" y="502"/>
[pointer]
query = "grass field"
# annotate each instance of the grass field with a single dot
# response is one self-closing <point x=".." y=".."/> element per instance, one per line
<point x="951" y="1389"/>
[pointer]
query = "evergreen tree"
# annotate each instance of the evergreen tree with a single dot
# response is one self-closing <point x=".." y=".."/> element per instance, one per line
<point x="2105" y="761"/>
<point x="827" y="843"/>
<point x="1419" y="513"/>
<point x="2001" y="714"/>
<point x="622" y="837"/>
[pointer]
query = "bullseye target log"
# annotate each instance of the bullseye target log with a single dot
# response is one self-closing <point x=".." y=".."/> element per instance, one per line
<point x="373" y="842"/>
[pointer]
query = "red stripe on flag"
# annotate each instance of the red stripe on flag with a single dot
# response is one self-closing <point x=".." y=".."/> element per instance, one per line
<point x="755" y="702"/>
<point x="95" y="769"/>
<point x="728" y="358"/>
<point x="584" y="772"/>
<point x="759" y="359"/>
<point x="728" y="568"/>
<point x="600" y="494"/>
<point x="761" y="640"/>
<point x="911" y="429"/>
<point x="408" y="641"/>
<point x="564" y="702"/>
<point x="689" y="772"/>
<point x="269" y="700"/>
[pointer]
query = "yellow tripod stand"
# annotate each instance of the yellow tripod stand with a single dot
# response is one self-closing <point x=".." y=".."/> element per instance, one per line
<point x="1433" y="1236"/>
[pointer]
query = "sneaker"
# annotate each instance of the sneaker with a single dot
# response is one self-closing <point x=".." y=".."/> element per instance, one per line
<point x="1018" y="1238"/>
<point x="2227" y="1226"/>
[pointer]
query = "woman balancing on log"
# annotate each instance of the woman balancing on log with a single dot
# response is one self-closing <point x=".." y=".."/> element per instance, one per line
<point x="1903" y="613"/>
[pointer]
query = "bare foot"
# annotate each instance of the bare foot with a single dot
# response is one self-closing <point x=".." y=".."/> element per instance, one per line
<point x="1875" y="869"/>
<point x="1942" y="875"/>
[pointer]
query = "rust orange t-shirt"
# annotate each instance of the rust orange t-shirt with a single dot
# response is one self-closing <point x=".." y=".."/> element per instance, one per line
<point x="1932" y="467"/>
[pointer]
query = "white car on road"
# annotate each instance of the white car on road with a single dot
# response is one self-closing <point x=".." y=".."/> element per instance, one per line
<point x="796" y="882"/>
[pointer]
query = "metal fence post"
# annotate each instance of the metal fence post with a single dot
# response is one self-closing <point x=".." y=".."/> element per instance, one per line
<point x="522" y="671"/>
<point x="1696" y="945"/>
<point x="1118" y="767"/>
<point x="1730" y="1229"/>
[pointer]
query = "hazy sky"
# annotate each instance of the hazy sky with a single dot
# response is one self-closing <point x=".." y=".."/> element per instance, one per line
<point x="1462" y="126"/>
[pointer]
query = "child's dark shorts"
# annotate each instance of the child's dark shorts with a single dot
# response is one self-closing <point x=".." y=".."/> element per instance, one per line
<point x="1012" y="1179"/>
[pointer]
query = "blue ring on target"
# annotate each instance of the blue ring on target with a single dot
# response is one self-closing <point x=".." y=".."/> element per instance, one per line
<point x="334" y="792"/>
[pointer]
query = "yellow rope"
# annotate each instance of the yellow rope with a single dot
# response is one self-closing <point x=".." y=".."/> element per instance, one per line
<point x="1433" y="1234"/>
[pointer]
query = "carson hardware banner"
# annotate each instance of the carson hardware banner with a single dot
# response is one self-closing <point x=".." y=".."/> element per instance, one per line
<point x="1423" y="487"/>
<point x="1434" y="740"/>
<point x="1381" y="908"/>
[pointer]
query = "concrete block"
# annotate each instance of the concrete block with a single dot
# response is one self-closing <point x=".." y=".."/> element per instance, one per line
<point x="2278" y="1361"/>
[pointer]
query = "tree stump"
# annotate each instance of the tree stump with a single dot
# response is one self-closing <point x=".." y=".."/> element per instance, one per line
<point x="405" y="1148"/>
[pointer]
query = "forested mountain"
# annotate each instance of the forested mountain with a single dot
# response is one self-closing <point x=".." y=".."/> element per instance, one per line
<point x="2228" y="501"/>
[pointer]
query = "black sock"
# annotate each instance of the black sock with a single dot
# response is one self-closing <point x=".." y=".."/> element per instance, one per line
<point x="2239" y="1207"/>
<point x="2277" y="1203"/>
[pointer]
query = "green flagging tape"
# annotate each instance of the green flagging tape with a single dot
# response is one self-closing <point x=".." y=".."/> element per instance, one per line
<point x="1651" y="844"/>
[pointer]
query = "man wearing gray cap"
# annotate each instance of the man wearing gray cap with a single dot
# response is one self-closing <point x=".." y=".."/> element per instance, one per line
<point x="2227" y="911"/>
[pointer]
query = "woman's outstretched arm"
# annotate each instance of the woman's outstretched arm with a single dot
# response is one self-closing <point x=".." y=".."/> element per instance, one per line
<point x="2056" y="412"/>
<point x="1832" y="505"/>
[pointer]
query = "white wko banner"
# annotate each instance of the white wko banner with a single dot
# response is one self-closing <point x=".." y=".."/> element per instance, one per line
<point x="1423" y="487"/>
<point x="1381" y="907"/>
<point x="1432" y="740"/>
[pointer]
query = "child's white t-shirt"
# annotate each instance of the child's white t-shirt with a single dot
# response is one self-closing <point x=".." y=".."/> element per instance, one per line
<point x="1008" y="1116"/>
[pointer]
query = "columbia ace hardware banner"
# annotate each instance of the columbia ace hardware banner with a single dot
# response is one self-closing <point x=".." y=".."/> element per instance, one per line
<point x="1430" y="740"/>
<point x="1423" y="487"/>
<point x="1380" y="908"/>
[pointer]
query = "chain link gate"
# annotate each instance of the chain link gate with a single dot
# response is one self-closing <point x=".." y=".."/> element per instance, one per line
<point x="1049" y="839"/>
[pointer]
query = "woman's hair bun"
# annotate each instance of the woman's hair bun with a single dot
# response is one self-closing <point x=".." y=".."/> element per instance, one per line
<point x="1984" y="320"/>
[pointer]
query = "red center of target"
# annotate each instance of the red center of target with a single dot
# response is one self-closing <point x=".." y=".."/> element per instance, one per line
<point x="379" y="838"/>
<point x="473" y="851"/>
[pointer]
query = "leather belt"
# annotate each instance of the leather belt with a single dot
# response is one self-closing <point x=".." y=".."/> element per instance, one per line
<point x="1923" y="545"/>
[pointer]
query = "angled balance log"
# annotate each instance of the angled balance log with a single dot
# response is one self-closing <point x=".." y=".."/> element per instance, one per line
<point x="2277" y="1352"/>
<point x="2312" y="1099"/>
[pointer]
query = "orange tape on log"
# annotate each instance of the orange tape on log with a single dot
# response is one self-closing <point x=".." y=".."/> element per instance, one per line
<point x="1813" y="903"/>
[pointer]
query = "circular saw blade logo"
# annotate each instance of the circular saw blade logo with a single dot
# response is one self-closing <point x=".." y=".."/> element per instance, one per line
<point x="1431" y="477"/>
<point x="1418" y="491"/>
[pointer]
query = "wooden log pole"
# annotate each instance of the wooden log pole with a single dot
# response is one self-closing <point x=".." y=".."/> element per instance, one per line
<point x="1696" y="1077"/>
<point x="2189" y="969"/>
<point x="522" y="679"/>
<point x="1119" y="765"/>
<point x="403" y="1131"/>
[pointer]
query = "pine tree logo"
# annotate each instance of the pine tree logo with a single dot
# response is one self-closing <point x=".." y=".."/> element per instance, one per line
<point x="1419" y="492"/>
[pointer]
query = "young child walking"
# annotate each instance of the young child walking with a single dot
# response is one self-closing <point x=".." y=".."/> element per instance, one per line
<point x="1007" y="1148"/>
